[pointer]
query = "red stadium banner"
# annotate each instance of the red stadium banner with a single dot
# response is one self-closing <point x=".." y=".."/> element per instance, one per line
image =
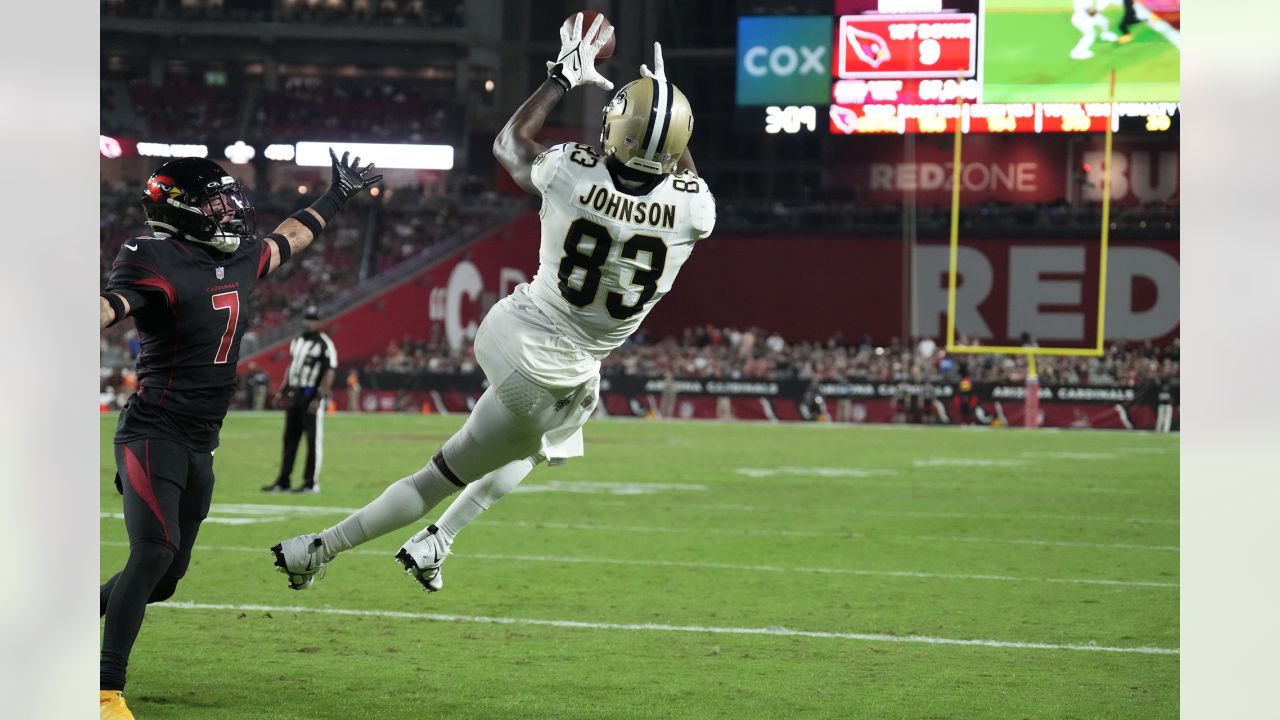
<point x="856" y="287"/>
<point x="907" y="46"/>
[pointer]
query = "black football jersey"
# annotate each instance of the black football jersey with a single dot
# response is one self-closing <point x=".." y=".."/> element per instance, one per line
<point x="198" y="302"/>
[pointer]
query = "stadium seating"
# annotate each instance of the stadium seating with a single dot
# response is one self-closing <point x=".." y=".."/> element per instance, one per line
<point x="409" y="13"/>
<point x="755" y="354"/>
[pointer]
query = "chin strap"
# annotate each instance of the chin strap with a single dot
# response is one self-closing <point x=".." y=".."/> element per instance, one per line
<point x="222" y="240"/>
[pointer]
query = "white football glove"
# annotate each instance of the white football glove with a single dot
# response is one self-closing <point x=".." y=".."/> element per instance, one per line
<point x="576" y="63"/>
<point x="659" y="72"/>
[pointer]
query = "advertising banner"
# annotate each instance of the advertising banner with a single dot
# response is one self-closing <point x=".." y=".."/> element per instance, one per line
<point x="857" y="401"/>
<point x="784" y="60"/>
<point x="1007" y="168"/>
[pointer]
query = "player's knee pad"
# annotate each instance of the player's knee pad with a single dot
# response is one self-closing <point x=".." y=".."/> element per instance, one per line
<point x="164" y="589"/>
<point x="153" y="553"/>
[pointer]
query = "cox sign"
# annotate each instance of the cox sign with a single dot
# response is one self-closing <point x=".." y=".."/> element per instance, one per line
<point x="784" y="60"/>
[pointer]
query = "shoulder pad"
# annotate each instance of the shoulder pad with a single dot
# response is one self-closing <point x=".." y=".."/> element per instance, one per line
<point x="546" y="164"/>
<point x="702" y="212"/>
<point x="138" y="247"/>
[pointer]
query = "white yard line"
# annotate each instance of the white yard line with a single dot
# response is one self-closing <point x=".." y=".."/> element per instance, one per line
<point x="1029" y="541"/>
<point x="752" y="531"/>
<point x="281" y="509"/>
<point x="654" y="627"/>
<point x="739" y="507"/>
<point x="699" y="565"/>
<point x="813" y="533"/>
<point x="767" y="532"/>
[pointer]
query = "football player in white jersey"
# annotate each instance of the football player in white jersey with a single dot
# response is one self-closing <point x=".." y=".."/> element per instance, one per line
<point x="1088" y="18"/>
<point x="617" y="224"/>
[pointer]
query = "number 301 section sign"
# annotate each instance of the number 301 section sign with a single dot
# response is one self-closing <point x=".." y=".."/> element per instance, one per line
<point x="943" y="45"/>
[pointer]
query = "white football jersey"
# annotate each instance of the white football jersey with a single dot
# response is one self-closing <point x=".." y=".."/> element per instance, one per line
<point x="607" y="257"/>
<point x="1094" y="5"/>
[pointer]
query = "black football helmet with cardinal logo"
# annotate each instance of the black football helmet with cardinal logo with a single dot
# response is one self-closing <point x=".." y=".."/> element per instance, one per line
<point x="195" y="199"/>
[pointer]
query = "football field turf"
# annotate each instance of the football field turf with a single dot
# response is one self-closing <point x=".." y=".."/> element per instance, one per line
<point x="690" y="570"/>
<point x="1027" y="58"/>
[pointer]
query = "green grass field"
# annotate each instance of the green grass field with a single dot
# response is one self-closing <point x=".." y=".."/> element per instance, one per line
<point x="691" y="554"/>
<point x="1026" y="58"/>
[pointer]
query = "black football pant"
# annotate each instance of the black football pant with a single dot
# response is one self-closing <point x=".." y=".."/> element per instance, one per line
<point x="167" y="488"/>
<point x="297" y="422"/>
<point x="1130" y="17"/>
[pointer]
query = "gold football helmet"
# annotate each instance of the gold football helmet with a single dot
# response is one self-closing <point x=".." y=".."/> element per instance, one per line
<point x="647" y="126"/>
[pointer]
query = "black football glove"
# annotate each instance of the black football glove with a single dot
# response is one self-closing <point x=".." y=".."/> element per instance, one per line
<point x="348" y="178"/>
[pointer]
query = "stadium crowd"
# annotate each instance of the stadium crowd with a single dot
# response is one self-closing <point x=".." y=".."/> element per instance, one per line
<point x="362" y="109"/>
<point x="407" y="13"/>
<point x="756" y="354"/>
<point x="365" y="109"/>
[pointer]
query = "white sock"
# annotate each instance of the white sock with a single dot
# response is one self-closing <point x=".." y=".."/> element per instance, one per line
<point x="480" y="496"/>
<point x="401" y="504"/>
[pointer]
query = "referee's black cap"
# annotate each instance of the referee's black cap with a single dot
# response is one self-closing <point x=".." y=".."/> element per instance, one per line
<point x="311" y="313"/>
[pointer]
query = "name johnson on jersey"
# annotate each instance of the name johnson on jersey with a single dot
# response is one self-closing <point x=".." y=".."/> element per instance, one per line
<point x="638" y="212"/>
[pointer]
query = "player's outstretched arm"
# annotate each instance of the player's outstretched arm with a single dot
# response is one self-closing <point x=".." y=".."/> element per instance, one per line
<point x="297" y="232"/>
<point x="515" y="146"/>
<point x="575" y="65"/>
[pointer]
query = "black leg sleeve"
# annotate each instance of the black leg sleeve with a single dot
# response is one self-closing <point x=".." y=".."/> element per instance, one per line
<point x="148" y="562"/>
<point x="1130" y="17"/>
<point x="104" y="594"/>
<point x="309" y="471"/>
<point x="292" y="434"/>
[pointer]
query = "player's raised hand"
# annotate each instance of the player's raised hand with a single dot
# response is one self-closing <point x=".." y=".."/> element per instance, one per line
<point x="576" y="63"/>
<point x="659" y="71"/>
<point x="349" y="179"/>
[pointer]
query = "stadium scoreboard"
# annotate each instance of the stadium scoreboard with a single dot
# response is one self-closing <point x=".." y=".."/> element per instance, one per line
<point x="926" y="66"/>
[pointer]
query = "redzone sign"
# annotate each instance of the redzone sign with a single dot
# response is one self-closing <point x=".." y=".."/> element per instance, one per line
<point x="907" y="46"/>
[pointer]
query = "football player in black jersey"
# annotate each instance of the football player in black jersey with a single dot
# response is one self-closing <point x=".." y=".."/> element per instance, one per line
<point x="189" y="288"/>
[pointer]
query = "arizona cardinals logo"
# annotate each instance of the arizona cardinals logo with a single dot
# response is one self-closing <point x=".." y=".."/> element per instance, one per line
<point x="161" y="187"/>
<point x="869" y="47"/>
<point x="846" y="120"/>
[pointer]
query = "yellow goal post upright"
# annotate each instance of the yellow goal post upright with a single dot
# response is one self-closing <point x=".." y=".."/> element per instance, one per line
<point x="1032" y="402"/>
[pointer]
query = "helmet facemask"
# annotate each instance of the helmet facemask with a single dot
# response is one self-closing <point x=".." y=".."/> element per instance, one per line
<point x="233" y="214"/>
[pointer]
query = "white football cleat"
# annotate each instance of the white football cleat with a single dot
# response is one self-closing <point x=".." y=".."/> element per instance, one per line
<point x="1080" y="53"/>
<point x="301" y="558"/>
<point x="422" y="557"/>
<point x="1108" y="36"/>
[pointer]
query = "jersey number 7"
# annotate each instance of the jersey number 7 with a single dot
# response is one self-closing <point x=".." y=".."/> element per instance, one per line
<point x="585" y="294"/>
<point x="227" y="301"/>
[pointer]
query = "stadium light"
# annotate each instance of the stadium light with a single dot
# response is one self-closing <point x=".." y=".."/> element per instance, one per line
<point x="109" y="147"/>
<point x="239" y="153"/>
<point x="283" y="153"/>
<point x="150" y="149"/>
<point x="385" y="156"/>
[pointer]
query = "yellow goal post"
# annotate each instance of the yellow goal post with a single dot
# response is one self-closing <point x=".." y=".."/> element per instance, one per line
<point x="1032" y="352"/>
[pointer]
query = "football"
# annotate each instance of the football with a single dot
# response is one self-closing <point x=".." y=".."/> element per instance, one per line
<point x="588" y="17"/>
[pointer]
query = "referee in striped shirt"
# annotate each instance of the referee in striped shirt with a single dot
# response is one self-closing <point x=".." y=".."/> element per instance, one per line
<point x="307" y="386"/>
